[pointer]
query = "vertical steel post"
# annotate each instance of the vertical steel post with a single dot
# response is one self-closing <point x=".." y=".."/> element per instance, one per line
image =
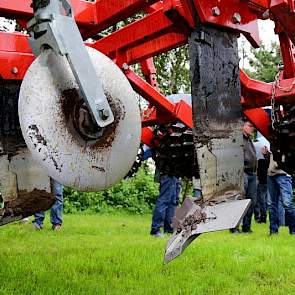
<point x="216" y="105"/>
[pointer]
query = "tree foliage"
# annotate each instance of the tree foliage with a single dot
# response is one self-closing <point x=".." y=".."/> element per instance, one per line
<point x="265" y="63"/>
<point x="173" y="71"/>
<point x="137" y="195"/>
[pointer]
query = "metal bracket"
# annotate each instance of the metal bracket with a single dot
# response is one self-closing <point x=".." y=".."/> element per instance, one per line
<point x="191" y="220"/>
<point x="53" y="26"/>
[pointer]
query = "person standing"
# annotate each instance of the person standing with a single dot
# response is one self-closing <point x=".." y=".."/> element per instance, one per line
<point x="280" y="189"/>
<point x="250" y="167"/>
<point x="263" y="155"/>
<point x="165" y="205"/>
<point x="55" y="212"/>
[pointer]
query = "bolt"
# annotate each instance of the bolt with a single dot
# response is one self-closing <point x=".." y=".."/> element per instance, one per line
<point x="281" y="67"/>
<point x="215" y="11"/>
<point x="125" y="66"/>
<point x="265" y="14"/>
<point x="237" y="18"/>
<point x="104" y="114"/>
<point x="14" y="70"/>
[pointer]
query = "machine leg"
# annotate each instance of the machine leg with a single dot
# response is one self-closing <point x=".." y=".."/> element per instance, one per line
<point x="217" y="138"/>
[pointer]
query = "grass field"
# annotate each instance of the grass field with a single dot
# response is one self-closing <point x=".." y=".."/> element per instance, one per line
<point x="114" y="254"/>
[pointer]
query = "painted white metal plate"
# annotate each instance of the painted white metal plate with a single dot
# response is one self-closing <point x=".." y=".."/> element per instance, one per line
<point x="221" y="216"/>
<point x="47" y="93"/>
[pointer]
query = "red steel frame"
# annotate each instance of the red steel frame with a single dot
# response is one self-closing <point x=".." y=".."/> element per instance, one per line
<point x="165" y="26"/>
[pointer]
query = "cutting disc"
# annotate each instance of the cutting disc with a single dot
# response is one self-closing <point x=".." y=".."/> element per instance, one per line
<point x="55" y="123"/>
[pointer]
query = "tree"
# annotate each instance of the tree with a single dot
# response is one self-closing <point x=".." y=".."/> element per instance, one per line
<point x="265" y="63"/>
<point x="173" y="71"/>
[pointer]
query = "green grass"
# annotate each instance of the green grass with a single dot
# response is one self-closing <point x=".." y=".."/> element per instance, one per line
<point x="114" y="254"/>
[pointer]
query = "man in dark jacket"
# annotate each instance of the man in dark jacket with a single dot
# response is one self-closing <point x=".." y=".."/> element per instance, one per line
<point x="250" y="167"/>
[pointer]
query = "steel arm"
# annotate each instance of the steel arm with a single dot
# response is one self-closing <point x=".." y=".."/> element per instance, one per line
<point x="53" y="26"/>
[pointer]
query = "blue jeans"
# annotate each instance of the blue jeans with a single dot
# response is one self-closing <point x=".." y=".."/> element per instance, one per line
<point x="250" y="188"/>
<point x="280" y="188"/>
<point x="165" y="204"/>
<point x="260" y="207"/>
<point x="56" y="209"/>
<point x="281" y="210"/>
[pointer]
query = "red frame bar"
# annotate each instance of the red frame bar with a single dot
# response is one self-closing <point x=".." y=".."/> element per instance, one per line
<point x="110" y="12"/>
<point x="138" y="32"/>
<point x="178" y="112"/>
<point x="149" y="71"/>
<point x="91" y="17"/>
<point x="258" y="94"/>
<point x="147" y="135"/>
<point x="84" y="11"/>
<point x="282" y="14"/>
<point x="287" y="55"/>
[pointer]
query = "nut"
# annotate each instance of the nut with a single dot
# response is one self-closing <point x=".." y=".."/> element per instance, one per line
<point x="237" y="18"/>
<point x="14" y="70"/>
<point x="215" y="11"/>
<point x="265" y="14"/>
<point x="104" y="114"/>
<point x="125" y="66"/>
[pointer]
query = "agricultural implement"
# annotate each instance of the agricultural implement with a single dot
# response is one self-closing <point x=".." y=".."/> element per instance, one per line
<point x="69" y="108"/>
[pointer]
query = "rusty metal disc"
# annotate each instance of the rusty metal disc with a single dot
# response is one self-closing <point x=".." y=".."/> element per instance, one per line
<point x="55" y="124"/>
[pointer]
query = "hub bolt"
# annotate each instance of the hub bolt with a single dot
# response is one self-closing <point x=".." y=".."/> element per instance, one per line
<point x="215" y="11"/>
<point x="237" y="18"/>
<point x="14" y="70"/>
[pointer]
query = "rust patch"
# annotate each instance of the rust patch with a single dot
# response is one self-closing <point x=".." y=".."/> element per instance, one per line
<point x="110" y="131"/>
<point x="191" y="222"/>
<point x="35" y="135"/>
<point x="26" y="204"/>
<point x="231" y="192"/>
<point x="35" y="131"/>
<point x="100" y="169"/>
<point x="71" y="101"/>
<point x="70" y="97"/>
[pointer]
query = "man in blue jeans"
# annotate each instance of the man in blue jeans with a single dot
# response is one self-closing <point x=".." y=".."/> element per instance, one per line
<point x="56" y="209"/>
<point x="263" y="156"/>
<point x="250" y="168"/>
<point x="280" y="188"/>
<point x="165" y="205"/>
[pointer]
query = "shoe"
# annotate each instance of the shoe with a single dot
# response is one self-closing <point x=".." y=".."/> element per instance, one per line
<point x="248" y="231"/>
<point x="158" y="235"/>
<point x="37" y="226"/>
<point x="24" y="220"/>
<point x="56" y="227"/>
<point x="235" y="231"/>
<point x="168" y="232"/>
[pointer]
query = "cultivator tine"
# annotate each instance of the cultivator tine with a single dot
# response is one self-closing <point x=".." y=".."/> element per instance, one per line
<point x="191" y="220"/>
<point x="217" y="111"/>
<point x="217" y="139"/>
